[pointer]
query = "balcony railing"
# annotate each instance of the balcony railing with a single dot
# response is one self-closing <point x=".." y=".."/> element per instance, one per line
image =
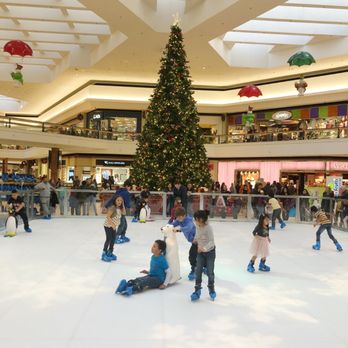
<point x="269" y="136"/>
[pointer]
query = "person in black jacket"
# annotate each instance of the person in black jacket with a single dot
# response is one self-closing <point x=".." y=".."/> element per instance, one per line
<point x="326" y="203"/>
<point x="260" y="245"/>
<point x="181" y="192"/>
<point x="18" y="205"/>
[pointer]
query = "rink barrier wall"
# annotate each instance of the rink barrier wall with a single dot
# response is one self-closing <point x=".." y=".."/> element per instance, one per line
<point x="223" y="207"/>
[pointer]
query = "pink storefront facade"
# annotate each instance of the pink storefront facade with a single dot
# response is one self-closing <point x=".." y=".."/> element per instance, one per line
<point x="271" y="171"/>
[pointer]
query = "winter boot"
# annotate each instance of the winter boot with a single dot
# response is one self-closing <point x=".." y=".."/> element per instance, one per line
<point x="111" y="256"/>
<point x="105" y="258"/>
<point x="212" y="294"/>
<point x="121" y="287"/>
<point x="250" y="267"/>
<point x="128" y="291"/>
<point x="28" y="229"/>
<point x="316" y="246"/>
<point x="263" y="267"/>
<point x="118" y="240"/>
<point x="338" y="246"/>
<point x="192" y="275"/>
<point x="282" y="225"/>
<point x="196" y="295"/>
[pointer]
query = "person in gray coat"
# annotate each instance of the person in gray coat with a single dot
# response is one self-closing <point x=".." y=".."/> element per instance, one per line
<point x="44" y="187"/>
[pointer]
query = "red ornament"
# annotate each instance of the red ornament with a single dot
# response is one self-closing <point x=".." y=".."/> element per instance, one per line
<point x="250" y="91"/>
<point x="18" y="48"/>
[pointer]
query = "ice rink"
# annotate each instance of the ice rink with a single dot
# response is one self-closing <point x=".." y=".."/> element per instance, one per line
<point x="55" y="292"/>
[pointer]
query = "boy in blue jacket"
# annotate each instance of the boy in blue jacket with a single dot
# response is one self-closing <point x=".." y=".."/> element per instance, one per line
<point x="188" y="228"/>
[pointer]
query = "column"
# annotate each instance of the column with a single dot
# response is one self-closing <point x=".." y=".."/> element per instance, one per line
<point x="5" y="165"/>
<point x="53" y="164"/>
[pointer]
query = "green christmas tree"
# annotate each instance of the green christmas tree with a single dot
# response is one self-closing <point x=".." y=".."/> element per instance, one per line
<point x="171" y="145"/>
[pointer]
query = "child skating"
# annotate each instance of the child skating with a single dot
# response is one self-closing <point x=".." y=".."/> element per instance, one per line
<point x="260" y="245"/>
<point x="112" y="221"/>
<point x="157" y="277"/>
<point x="188" y="228"/>
<point x="276" y="211"/>
<point x="204" y="239"/>
<point x="324" y="224"/>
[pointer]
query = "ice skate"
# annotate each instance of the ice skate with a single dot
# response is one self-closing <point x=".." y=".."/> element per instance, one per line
<point x="122" y="286"/>
<point x="191" y="276"/>
<point x="263" y="267"/>
<point x="250" y="267"/>
<point x="111" y="256"/>
<point x="196" y="295"/>
<point x="316" y="246"/>
<point x="105" y="258"/>
<point x="338" y="247"/>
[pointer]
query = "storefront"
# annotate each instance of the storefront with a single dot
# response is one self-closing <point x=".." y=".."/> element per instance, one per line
<point x="304" y="174"/>
<point x="315" y="122"/>
<point x="118" y="170"/>
<point x="120" y="121"/>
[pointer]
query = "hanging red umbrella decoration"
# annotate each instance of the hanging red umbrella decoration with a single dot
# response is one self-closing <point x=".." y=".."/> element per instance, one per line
<point x="300" y="59"/>
<point x="18" y="48"/>
<point x="249" y="91"/>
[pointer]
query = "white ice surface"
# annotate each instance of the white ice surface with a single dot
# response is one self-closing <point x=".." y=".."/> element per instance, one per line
<point x="55" y="291"/>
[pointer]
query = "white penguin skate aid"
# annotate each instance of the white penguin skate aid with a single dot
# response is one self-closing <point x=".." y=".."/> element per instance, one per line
<point x="172" y="252"/>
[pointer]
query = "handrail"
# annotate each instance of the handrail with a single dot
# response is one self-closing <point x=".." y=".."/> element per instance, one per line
<point x="241" y="137"/>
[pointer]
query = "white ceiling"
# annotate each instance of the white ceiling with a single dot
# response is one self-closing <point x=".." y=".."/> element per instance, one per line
<point x="228" y="42"/>
<point x="317" y="26"/>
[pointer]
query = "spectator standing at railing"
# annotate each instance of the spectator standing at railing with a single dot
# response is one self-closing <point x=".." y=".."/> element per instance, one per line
<point x="304" y="206"/>
<point x="73" y="201"/>
<point x="181" y="192"/>
<point x="92" y="197"/>
<point x="170" y="198"/>
<point x="190" y="191"/>
<point x="258" y="203"/>
<point x="344" y="197"/>
<point x="82" y="197"/>
<point x="326" y="202"/>
<point x="45" y="188"/>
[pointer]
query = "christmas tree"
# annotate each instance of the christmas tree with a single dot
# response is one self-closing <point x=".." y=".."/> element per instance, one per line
<point x="171" y="146"/>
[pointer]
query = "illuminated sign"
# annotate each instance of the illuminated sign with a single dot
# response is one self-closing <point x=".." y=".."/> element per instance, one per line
<point x="281" y="115"/>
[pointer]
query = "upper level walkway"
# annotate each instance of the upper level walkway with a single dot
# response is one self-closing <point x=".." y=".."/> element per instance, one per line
<point x="321" y="142"/>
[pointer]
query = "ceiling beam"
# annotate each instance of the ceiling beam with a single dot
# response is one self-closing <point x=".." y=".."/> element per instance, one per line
<point x="335" y="4"/>
<point x="54" y="27"/>
<point x="69" y="4"/>
<point x="30" y="61"/>
<point x="50" y="37"/>
<point x="51" y="14"/>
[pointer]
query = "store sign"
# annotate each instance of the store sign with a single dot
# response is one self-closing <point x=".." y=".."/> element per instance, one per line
<point x="281" y="115"/>
<point x="335" y="183"/>
<point x="338" y="166"/>
<point x="96" y="116"/>
<point x="108" y="163"/>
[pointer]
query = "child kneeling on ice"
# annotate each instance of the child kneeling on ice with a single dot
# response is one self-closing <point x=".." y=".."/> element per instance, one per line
<point x="157" y="277"/>
<point x="260" y="245"/>
<point x="325" y="224"/>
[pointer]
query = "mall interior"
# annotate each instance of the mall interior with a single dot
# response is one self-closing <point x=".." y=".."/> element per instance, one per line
<point x="76" y="80"/>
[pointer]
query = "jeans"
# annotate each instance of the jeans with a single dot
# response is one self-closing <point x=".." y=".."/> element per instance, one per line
<point x="276" y="215"/>
<point x="326" y="227"/>
<point x="193" y="256"/>
<point x="110" y="239"/>
<point x="147" y="281"/>
<point x="92" y="201"/>
<point x="205" y="259"/>
<point x="122" y="227"/>
<point x="22" y="213"/>
<point x="45" y="202"/>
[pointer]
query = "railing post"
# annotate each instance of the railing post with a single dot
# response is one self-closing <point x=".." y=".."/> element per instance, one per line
<point x="164" y="203"/>
<point x="250" y="212"/>
<point x="201" y="201"/>
<point x="298" y="216"/>
<point x="43" y="127"/>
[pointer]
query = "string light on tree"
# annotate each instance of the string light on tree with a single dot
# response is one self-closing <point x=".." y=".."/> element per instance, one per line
<point x="171" y="145"/>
